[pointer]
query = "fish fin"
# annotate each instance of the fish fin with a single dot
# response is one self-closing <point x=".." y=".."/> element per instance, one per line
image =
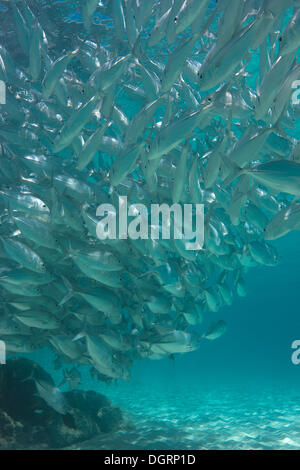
<point x="64" y="380"/>
<point x="222" y="276"/>
<point x="228" y="127"/>
<point x="65" y="315"/>
<point x="277" y="129"/>
<point x="210" y="19"/>
<point x="257" y="88"/>
<point x="65" y="299"/>
<point x="69" y="294"/>
<point x="242" y="71"/>
<point x="82" y="333"/>
<point x="235" y="172"/>
<point x="30" y="377"/>
<point x="295" y="199"/>
<point x="147" y="273"/>
<point x="208" y="215"/>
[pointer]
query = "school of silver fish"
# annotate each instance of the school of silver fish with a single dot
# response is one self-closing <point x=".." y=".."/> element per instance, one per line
<point x="155" y="100"/>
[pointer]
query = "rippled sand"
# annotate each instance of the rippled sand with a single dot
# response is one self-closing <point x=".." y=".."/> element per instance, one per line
<point x="220" y="419"/>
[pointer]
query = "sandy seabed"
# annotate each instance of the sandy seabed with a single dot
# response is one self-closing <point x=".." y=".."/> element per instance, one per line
<point x="219" y="419"/>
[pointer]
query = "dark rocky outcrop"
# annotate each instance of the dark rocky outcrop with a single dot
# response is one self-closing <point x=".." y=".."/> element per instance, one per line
<point x="27" y="421"/>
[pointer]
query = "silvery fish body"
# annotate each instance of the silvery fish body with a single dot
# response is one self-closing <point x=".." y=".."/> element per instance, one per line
<point x="131" y="105"/>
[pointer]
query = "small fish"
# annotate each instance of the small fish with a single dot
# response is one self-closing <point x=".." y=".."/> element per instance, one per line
<point x="51" y="395"/>
<point x="286" y="220"/>
<point x="54" y="73"/>
<point x="166" y="102"/>
<point x="72" y="377"/>
<point x="216" y="330"/>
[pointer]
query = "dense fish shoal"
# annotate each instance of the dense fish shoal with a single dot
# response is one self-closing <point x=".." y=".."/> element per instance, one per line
<point x="162" y="102"/>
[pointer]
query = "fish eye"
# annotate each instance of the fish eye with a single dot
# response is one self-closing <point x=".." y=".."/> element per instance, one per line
<point x="175" y="19"/>
<point x="280" y="39"/>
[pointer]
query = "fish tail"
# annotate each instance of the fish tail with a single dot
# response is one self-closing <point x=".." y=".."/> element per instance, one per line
<point x="69" y="294"/>
<point x="80" y="335"/>
<point x="279" y="130"/>
<point x="65" y="299"/>
<point x="30" y="376"/>
<point x="235" y="171"/>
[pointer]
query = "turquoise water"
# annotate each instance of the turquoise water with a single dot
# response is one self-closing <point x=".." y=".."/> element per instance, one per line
<point x="240" y="391"/>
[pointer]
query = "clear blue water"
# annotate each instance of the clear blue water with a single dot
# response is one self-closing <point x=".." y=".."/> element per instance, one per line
<point x="241" y="391"/>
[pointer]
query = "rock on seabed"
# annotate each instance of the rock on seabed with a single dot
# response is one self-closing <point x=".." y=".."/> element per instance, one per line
<point x="27" y="421"/>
